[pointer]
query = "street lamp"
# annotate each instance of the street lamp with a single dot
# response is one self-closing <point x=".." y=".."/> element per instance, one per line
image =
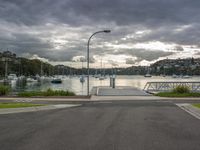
<point x="88" y="56"/>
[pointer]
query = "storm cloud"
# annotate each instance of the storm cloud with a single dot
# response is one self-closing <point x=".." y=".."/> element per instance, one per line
<point x="59" y="30"/>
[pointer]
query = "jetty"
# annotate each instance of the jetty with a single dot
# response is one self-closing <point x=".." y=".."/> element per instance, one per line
<point x="118" y="91"/>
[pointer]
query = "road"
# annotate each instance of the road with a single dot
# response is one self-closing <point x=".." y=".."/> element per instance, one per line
<point x="121" y="125"/>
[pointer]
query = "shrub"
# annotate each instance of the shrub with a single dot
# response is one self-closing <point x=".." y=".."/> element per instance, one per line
<point x="48" y="92"/>
<point x="181" y="89"/>
<point x="4" y="90"/>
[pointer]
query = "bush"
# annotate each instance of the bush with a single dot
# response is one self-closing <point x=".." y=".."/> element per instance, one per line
<point x="4" y="90"/>
<point x="48" y="92"/>
<point x="181" y="89"/>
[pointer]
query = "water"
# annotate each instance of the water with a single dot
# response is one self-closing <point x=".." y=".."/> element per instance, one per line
<point x="74" y="84"/>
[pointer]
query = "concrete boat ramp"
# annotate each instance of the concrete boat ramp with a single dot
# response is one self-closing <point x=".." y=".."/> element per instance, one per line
<point x="118" y="91"/>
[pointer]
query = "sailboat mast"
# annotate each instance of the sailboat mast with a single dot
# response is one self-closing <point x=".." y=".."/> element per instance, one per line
<point x="101" y="66"/>
<point x="82" y="67"/>
<point x="41" y="68"/>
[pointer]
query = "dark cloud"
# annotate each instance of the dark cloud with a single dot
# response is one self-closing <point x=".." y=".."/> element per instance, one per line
<point x="39" y="26"/>
<point x="79" y="12"/>
<point x="143" y="54"/>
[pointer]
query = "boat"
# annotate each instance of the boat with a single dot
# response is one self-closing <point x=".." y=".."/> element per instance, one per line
<point x="102" y="75"/>
<point x="22" y="77"/>
<point x="102" y="78"/>
<point x="186" y="77"/>
<point x="82" y="79"/>
<point x="147" y="75"/>
<point x="12" y="77"/>
<point x="56" y="81"/>
<point x="31" y="80"/>
<point x="97" y="75"/>
<point x="174" y="76"/>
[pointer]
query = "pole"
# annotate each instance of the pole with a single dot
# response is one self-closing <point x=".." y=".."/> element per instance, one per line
<point x="6" y="68"/>
<point x="88" y="59"/>
<point x="88" y="66"/>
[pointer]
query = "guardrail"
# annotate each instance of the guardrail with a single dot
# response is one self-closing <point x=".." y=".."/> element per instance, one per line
<point x="168" y="86"/>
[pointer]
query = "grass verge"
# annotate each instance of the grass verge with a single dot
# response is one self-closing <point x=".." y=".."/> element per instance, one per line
<point x="173" y="94"/>
<point x="48" y="92"/>
<point x="196" y="105"/>
<point x="18" y="105"/>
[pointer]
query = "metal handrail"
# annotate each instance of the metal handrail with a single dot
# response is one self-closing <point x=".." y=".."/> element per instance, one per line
<point x="169" y="85"/>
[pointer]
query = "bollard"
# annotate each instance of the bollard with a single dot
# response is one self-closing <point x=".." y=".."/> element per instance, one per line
<point x="113" y="82"/>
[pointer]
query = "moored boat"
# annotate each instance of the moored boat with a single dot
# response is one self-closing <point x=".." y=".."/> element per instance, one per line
<point x="56" y="81"/>
<point x="147" y="75"/>
<point x="82" y="79"/>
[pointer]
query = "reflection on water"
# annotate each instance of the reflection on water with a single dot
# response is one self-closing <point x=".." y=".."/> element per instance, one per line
<point x="74" y="84"/>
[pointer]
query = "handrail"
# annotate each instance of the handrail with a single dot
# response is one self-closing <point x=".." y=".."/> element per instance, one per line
<point x="170" y="85"/>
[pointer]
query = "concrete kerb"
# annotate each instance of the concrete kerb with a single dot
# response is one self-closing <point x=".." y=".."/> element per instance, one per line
<point x="38" y="108"/>
<point x="190" y="109"/>
<point x="29" y="99"/>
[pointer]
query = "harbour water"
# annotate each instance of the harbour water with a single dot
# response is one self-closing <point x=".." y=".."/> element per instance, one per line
<point x="74" y="84"/>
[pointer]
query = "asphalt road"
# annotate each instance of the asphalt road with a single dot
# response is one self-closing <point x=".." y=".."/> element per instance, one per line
<point x="102" y="126"/>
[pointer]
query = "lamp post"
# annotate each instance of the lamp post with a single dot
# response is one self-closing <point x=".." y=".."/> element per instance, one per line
<point x="88" y="57"/>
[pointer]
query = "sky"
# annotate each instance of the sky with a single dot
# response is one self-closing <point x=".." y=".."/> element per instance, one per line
<point x="142" y="31"/>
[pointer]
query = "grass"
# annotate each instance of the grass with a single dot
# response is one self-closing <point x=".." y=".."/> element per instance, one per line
<point x="17" y="105"/>
<point x="48" y="92"/>
<point x="179" y="91"/>
<point x="173" y="94"/>
<point x="4" y="90"/>
<point x="196" y="105"/>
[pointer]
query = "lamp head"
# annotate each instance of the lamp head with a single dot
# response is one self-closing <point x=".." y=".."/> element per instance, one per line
<point x="107" y="31"/>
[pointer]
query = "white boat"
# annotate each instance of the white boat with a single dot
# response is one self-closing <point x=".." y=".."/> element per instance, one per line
<point x="102" y="77"/>
<point x="186" y="77"/>
<point x="12" y="77"/>
<point x="82" y="79"/>
<point x="174" y="76"/>
<point x="21" y="77"/>
<point x="147" y="75"/>
<point x="31" y="80"/>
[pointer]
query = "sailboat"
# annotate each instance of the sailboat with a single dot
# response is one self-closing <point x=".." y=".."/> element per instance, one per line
<point x="164" y="73"/>
<point x="102" y="77"/>
<point x="147" y="75"/>
<point x="96" y="74"/>
<point x="82" y="78"/>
